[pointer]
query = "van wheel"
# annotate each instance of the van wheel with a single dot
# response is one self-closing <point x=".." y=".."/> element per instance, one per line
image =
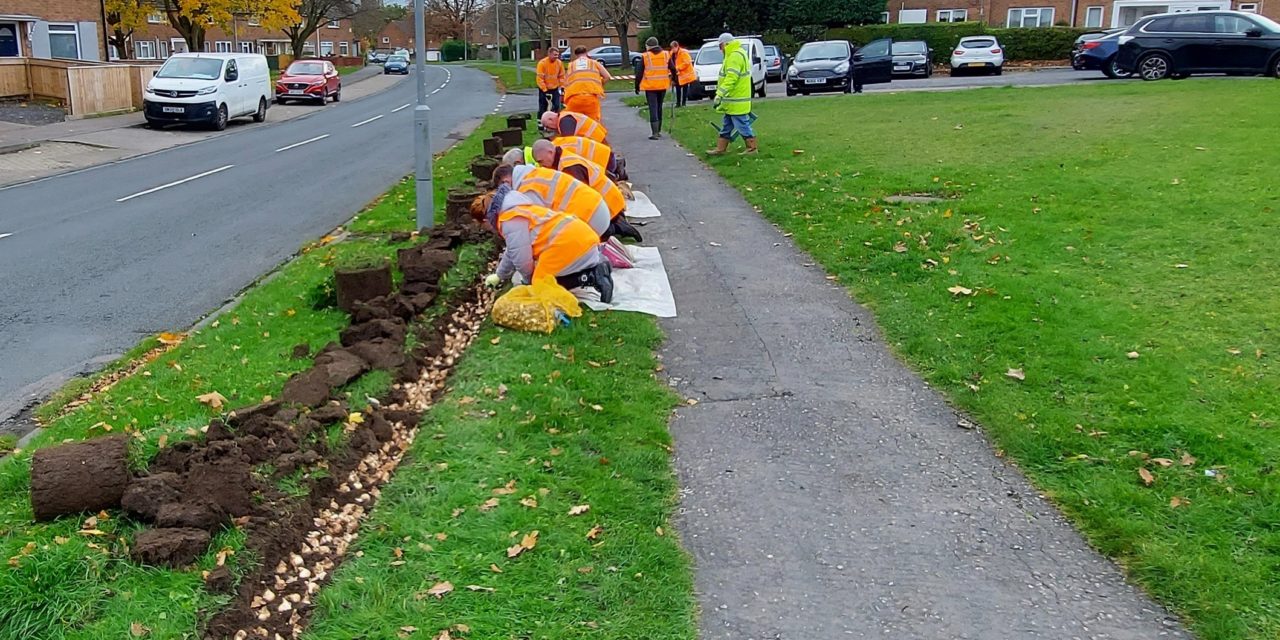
<point x="261" y="114"/>
<point x="762" y="91"/>
<point x="337" y="95"/>
<point x="220" y="119"/>
<point x="1155" y="66"/>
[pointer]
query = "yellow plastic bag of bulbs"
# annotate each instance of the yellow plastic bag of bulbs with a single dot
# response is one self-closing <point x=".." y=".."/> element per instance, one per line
<point x="536" y="307"/>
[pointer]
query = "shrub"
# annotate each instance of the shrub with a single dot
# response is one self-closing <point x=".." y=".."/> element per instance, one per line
<point x="1020" y="44"/>
<point x="452" y="50"/>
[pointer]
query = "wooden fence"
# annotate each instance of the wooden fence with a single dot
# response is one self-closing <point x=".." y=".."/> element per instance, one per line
<point x="84" y="88"/>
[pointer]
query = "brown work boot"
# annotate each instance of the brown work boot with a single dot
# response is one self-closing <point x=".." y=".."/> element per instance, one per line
<point x="752" y="147"/>
<point x="722" y="145"/>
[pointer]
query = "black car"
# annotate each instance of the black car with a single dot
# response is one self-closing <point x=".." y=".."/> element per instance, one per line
<point x="829" y="65"/>
<point x="912" y="58"/>
<point x="1100" y="54"/>
<point x="1181" y="44"/>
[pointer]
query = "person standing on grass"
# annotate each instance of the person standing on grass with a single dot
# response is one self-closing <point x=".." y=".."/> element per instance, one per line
<point x="584" y="85"/>
<point x="733" y="97"/>
<point x="685" y="73"/>
<point x="551" y="75"/>
<point x="653" y="76"/>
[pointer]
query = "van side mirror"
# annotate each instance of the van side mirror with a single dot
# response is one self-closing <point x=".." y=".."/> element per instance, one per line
<point x="755" y="60"/>
<point x="1253" y="33"/>
<point x="857" y="57"/>
<point x="232" y="75"/>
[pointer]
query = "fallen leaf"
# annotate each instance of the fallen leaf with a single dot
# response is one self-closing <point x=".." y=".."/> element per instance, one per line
<point x="797" y="152"/>
<point x="1178" y="501"/>
<point x="659" y="531"/>
<point x="1233" y="351"/>
<point x="488" y="504"/>
<point x="92" y="532"/>
<point x="1188" y="459"/>
<point x="596" y="407"/>
<point x="960" y="291"/>
<point x="530" y="540"/>
<point x="506" y="490"/>
<point x="530" y="502"/>
<point x="462" y="628"/>
<point x="397" y="552"/>
<point x="476" y="587"/>
<point x="496" y="340"/>
<point x="946" y="214"/>
<point x="1016" y="374"/>
<point x="440" y="590"/>
<point x="406" y="631"/>
<point x="587" y="569"/>
<point x="213" y="399"/>
<point x="169" y="339"/>
<point x="515" y="550"/>
<point x="1133" y="355"/>
<point x="355" y="418"/>
<point x="1164" y="462"/>
<point x="900" y="247"/>
<point x="495" y="568"/>
<point x="442" y="537"/>
<point x="1147" y="478"/>
<point x="137" y="629"/>
<point x="443" y="635"/>
<point x="580" y="509"/>
<point x="595" y="532"/>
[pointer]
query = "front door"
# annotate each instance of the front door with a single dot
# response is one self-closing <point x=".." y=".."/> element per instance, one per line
<point x="874" y="61"/>
<point x="9" y="40"/>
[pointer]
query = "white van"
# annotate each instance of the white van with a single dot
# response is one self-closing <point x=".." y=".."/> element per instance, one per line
<point x="707" y="61"/>
<point x="209" y="88"/>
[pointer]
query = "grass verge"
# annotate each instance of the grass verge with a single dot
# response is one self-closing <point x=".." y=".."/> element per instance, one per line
<point x="506" y="74"/>
<point x="1097" y="288"/>
<point x="64" y="583"/>
<point x="532" y="427"/>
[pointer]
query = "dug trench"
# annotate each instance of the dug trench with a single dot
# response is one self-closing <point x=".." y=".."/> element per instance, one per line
<point x="296" y="474"/>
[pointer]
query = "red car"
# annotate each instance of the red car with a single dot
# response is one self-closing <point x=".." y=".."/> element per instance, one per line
<point x="309" y="80"/>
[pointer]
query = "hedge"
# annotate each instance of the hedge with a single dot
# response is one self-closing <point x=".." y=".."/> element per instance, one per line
<point x="1048" y="43"/>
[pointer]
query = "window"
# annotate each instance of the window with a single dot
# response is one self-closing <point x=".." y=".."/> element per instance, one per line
<point x="326" y="48"/>
<point x="564" y="24"/>
<point x="156" y="17"/>
<point x="1030" y="17"/>
<point x="162" y="48"/>
<point x="1249" y="7"/>
<point x="874" y="48"/>
<point x="608" y="24"/>
<point x="606" y="40"/>
<point x="64" y="41"/>
<point x="483" y="32"/>
<point x="344" y="49"/>
<point x="1192" y="24"/>
<point x="222" y="46"/>
<point x="246" y="47"/>
<point x="1093" y="17"/>
<point x="1232" y="24"/>
<point x="587" y="24"/>
<point x="953" y="15"/>
<point x="642" y="24"/>
<point x="386" y="40"/>
<point x="144" y="50"/>
<point x="884" y="17"/>
<point x="562" y="43"/>
<point x="333" y="24"/>
<point x="255" y="21"/>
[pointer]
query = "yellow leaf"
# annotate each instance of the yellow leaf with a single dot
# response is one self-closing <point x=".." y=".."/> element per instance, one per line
<point x="1188" y="459"/>
<point x="92" y="532"/>
<point x="495" y="568"/>
<point x="137" y="630"/>
<point x="488" y="504"/>
<point x="1133" y="355"/>
<point x="213" y="399"/>
<point x="506" y="490"/>
<point x="1147" y="478"/>
<point x="596" y="407"/>
<point x="595" y="532"/>
<point x="1178" y="501"/>
<point x="496" y="340"/>
<point x="530" y="502"/>
<point x="659" y="531"/>
<point x="290" y="312"/>
<point x="397" y="552"/>
<point x="355" y="418"/>
<point x="1164" y="462"/>
<point x="946" y="214"/>
<point x="960" y="291"/>
<point x="578" y="510"/>
<point x="170" y="339"/>
<point x="443" y="635"/>
<point x="530" y="540"/>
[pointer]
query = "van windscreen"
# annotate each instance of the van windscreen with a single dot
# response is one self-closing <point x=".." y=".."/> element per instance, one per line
<point x="192" y="68"/>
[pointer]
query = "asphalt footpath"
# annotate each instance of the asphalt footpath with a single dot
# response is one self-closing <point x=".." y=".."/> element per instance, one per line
<point x="826" y="491"/>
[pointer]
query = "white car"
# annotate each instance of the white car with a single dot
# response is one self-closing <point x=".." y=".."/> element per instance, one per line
<point x="977" y="53"/>
<point x="209" y="88"/>
<point x="707" y="61"/>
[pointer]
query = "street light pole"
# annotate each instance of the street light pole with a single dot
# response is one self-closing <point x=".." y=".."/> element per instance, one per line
<point x="519" y="77"/>
<point x="425" y="200"/>
<point x="497" y="29"/>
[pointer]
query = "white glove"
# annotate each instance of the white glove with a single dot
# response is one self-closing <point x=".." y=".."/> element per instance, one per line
<point x="492" y="281"/>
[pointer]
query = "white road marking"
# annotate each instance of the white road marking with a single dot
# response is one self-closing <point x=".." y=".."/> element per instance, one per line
<point x="175" y="183"/>
<point x="299" y="144"/>
<point x="4" y="235"/>
<point x="402" y="107"/>
<point x="362" y="122"/>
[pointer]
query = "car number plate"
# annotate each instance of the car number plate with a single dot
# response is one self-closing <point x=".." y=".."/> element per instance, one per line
<point x="295" y="92"/>
<point x="974" y="64"/>
<point x="815" y="80"/>
<point x="173" y="109"/>
<point x="902" y="67"/>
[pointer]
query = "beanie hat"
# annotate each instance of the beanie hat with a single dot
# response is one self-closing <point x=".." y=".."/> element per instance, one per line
<point x="726" y="38"/>
<point x="651" y="43"/>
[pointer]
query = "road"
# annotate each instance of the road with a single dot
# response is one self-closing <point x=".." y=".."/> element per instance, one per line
<point x="94" y="260"/>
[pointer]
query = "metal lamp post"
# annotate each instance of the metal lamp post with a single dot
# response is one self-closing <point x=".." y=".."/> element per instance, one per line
<point x="516" y="57"/>
<point x="425" y="200"/>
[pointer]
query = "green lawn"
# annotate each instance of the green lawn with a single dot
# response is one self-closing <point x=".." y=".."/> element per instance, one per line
<point x="1116" y="245"/>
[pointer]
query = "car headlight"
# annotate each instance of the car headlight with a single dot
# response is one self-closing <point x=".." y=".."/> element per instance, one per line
<point x="317" y="83"/>
<point x="207" y="90"/>
<point x="793" y="71"/>
<point x="842" y="68"/>
<point x="149" y="90"/>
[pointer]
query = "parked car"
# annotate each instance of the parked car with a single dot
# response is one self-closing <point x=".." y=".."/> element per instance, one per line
<point x="1100" y="54"/>
<point x="309" y="80"/>
<point x="977" y="53"/>
<point x="378" y="57"/>
<point x="1078" y="46"/>
<point x="912" y="58"/>
<point x="775" y="64"/>
<point x="610" y="55"/>
<point x="707" y="61"/>
<point x="1180" y="44"/>
<point x="396" y="64"/>
<point x="402" y="52"/>
<point x="829" y="65"/>
<point x="210" y="88"/>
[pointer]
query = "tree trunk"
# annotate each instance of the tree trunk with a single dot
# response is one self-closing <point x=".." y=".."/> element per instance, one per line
<point x="621" y="28"/>
<point x="120" y="40"/>
<point x="298" y="43"/>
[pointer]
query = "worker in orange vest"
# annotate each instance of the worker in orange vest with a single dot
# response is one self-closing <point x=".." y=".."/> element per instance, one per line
<point x="653" y="76"/>
<point x="584" y="85"/>
<point x="594" y="175"/>
<point x="543" y="244"/>
<point x="597" y="152"/>
<point x="571" y="123"/>
<point x="685" y="73"/>
<point x="556" y="191"/>
<point x="551" y="75"/>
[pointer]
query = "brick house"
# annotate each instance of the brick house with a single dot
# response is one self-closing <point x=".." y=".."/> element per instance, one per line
<point x="52" y="29"/>
<point x="1045" y="13"/>
<point x="158" y="40"/>
<point x="397" y="34"/>
<point x="573" y="25"/>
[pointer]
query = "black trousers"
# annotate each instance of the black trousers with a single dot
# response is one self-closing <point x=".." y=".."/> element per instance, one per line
<point x="856" y="79"/>
<point x="682" y="95"/>
<point x="654" y="99"/>
<point x="548" y="99"/>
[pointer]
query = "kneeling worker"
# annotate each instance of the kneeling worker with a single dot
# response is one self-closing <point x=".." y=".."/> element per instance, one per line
<point x="561" y="192"/>
<point x="572" y="123"/>
<point x="593" y="175"/>
<point x="542" y="244"/>
<point x="597" y="152"/>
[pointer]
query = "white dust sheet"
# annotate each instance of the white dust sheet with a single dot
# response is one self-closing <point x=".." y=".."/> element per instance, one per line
<point x="643" y="288"/>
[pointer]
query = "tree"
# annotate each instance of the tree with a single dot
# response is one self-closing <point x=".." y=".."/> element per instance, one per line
<point x="692" y="21"/>
<point x="123" y="18"/>
<point x="449" y="17"/>
<point x="314" y="14"/>
<point x="538" y="16"/>
<point x="369" y="20"/>
<point x="620" y="13"/>
<point x="798" y="13"/>
<point x="190" y="18"/>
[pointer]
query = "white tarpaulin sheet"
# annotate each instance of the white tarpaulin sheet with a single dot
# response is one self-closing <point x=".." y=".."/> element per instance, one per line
<point x="643" y="288"/>
<point x="642" y="207"/>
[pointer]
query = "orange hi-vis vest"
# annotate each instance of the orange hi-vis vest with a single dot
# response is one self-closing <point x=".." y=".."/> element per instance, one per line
<point x="685" y="74"/>
<point x="559" y="239"/>
<point x="585" y="77"/>
<point x="561" y="192"/>
<point x="551" y="74"/>
<point x="657" y="75"/>
<point x="597" y="152"/>
<point x="598" y="180"/>
<point x="587" y="127"/>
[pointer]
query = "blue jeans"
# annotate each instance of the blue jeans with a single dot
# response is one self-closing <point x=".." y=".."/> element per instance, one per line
<point x="742" y="124"/>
